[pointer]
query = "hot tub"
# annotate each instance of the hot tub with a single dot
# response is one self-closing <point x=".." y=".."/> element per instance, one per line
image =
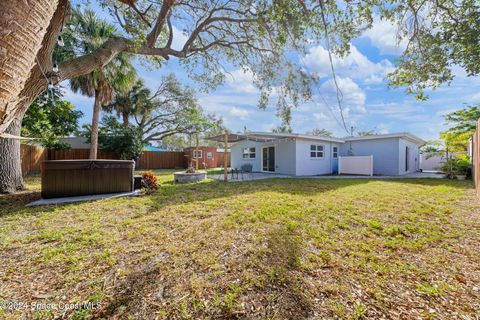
<point x="68" y="178"/>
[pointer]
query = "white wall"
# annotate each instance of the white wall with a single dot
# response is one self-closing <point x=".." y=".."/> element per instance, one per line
<point x="237" y="151"/>
<point x="414" y="156"/>
<point x="431" y="163"/>
<point x="385" y="153"/>
<point x="284" y="155"/>
<point x="307" y="166"/>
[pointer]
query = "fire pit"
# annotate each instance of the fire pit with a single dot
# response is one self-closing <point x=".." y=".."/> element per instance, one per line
<point x="190" y="175"/>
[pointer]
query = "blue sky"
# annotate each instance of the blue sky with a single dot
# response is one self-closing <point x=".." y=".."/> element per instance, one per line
<point x="368" y="102"/>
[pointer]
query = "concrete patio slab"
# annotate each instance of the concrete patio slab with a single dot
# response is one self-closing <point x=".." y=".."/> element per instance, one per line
<point x="261" y="176"/>
<point x="64" y="200"/>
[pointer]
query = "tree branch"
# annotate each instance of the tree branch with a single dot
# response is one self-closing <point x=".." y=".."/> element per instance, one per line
<point x="160" y="22"/>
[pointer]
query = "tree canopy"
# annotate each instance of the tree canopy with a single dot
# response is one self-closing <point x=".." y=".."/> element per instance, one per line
<point x="320" y="132"/>
<point x="440" y="36"/>
<point x="49" y="119"/>
<point x="171" y="109"/>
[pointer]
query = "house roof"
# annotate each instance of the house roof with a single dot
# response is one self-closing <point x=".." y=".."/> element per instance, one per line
<point x="152" y="148"/>
<point x="76" y="142"/>
<point x="269" y="136"/>
<point x="405" y="135"/>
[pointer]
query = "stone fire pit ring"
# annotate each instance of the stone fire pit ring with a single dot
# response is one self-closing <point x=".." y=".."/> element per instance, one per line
<point x="184" y="177"/>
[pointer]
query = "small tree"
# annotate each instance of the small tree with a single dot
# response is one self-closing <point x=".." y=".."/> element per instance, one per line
<point x="125" y="142"/>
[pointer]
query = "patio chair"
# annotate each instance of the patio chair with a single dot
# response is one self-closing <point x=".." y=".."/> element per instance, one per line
<point x="234" y="172"/>
<point x="247" y="169"/>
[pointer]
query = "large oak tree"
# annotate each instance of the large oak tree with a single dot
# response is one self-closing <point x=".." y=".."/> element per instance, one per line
<point x="249" y="34"/>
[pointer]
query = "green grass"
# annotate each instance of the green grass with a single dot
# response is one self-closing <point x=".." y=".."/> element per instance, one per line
<point x="267" y="249"/>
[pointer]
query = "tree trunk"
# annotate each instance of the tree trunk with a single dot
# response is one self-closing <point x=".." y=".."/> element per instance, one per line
<point x="95" y="119"/>
<point x="10" y="163"/>
<point x="23" y="25"/>
<point x="125" y="117"/>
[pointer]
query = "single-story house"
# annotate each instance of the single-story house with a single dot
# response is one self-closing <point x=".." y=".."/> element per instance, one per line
<point x="304" y="155"/>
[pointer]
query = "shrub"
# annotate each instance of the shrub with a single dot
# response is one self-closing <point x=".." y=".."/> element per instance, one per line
<point x="454" y="167"/>
<point x="149" y="181"/>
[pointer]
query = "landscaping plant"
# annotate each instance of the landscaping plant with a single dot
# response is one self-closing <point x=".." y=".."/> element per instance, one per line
<point x="149" y="182"/>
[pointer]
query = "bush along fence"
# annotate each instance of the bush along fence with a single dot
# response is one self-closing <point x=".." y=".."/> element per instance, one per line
<point x="476" y="158"/>
<point x="32" y="157"/>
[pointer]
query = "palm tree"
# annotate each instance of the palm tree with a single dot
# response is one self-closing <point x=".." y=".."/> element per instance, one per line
<point x="87" y="33"/>
<point x="129" y="103"/>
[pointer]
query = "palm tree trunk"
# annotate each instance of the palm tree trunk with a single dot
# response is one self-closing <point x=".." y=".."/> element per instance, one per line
<point x="23" y="25"/>
<point x="95" y="119"/>
<point x="125" y="117"/>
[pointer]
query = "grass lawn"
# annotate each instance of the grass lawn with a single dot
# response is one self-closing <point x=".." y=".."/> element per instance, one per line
<point x="267" y="249"/>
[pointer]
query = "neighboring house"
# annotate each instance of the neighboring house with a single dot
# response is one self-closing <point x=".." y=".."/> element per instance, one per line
<point x="209" y="157"/>
<point x="303" y="155"/>
<point x="76" y="142"/>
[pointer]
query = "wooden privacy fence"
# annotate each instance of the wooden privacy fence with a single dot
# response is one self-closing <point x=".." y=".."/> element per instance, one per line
<point x="74" y="154"/>
<point x="221" y="157"/>
<point x="476" y="158"/>
<point x="32" y="158"/>
<point x="161" y="160"/>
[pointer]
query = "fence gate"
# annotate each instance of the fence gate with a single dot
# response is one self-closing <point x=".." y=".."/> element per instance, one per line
<point x="360" y="165"/>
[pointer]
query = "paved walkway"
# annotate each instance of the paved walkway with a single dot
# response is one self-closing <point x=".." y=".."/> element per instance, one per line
<point x="262" y="175"/>
<point x="65" y="200"/>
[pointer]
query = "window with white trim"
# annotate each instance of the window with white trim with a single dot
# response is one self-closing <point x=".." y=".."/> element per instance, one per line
<point x="197" y="155"/>
<point x="335" y="152"/>
<point x="317" y="151"/>
<point x="248" y="153"/>
<point x="209" y="155"/>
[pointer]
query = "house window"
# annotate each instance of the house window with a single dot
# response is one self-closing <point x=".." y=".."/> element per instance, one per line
<point x="209" y="155"/>
<point x="248" y="153"/>
<point x="335" y="152"/>
<point x="316" y="151"/>
<point x="197" y="154"/>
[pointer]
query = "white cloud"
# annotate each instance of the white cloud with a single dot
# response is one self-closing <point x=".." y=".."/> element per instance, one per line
<point x="320" y="116"/>
<point x="236" y="109"/>
<point x="383" y="36"/>
<point x="352" y="96"/>
<point x="241" y="81"/>
<point x="239" y="113"/>
<point x="355" y="65"/>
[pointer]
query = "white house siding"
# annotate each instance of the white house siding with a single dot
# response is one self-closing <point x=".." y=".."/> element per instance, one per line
<point x="306" y="166"/>
<point x="385" y="153"/>
<point x="284" y="156"/>
<point x="237" y="151"/>
<point x="414" y="159"/>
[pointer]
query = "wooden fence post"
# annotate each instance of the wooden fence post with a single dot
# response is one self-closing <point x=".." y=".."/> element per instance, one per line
<point x="225" y="162"/>
<point x="196" y="151"/>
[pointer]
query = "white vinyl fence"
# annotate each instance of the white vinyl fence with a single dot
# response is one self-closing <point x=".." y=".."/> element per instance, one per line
<point x="361" y="165"/>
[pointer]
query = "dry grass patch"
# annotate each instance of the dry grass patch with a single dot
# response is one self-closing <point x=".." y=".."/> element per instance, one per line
<point x="271" y="249"/>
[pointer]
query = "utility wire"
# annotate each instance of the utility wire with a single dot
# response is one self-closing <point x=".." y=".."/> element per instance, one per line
<point x="339" y="94"/>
